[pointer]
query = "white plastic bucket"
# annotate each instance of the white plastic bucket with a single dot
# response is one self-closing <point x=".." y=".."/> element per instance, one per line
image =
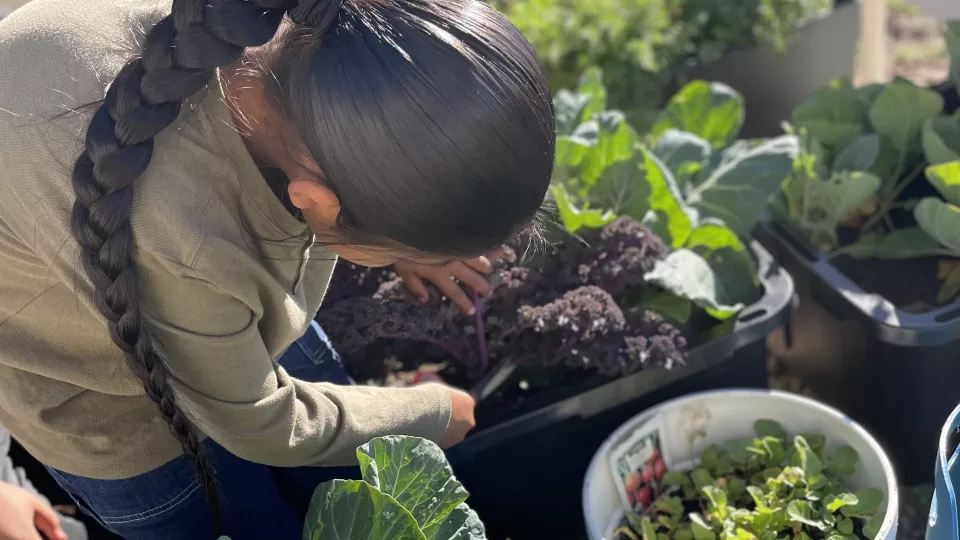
<point x="730" y="414"/>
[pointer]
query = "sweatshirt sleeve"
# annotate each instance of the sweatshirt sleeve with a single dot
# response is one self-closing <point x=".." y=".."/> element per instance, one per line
<point x="237" y="395"/>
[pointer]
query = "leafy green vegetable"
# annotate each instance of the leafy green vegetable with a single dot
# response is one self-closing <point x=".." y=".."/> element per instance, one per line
<point x="574" y="218"/>
<point x="739" y="190"/>
<point x="771" y="486"/>
<point x="408" y="491"/>
<point x="941" y="139"/>
<point x="858" y="154"/>
<point x="900" y="112"/>
<point x="687" y="275"/>
<point x="714" y="111"/>
<point x="700" y="195"/>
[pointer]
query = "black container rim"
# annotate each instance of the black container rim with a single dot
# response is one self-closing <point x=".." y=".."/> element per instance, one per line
<point x="753" y="323"/>
<point x="848" y="299"/>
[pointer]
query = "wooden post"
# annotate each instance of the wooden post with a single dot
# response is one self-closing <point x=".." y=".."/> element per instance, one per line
<point x="873" y="56"/>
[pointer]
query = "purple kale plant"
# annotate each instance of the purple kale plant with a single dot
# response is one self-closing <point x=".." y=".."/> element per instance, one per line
<point x="557" y="309"/>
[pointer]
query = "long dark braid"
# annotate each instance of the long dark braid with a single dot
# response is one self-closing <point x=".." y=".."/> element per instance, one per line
<point x="179" y="56"/>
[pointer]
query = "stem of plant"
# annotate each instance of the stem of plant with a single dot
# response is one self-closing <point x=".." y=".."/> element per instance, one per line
<point x="891" y="199"/>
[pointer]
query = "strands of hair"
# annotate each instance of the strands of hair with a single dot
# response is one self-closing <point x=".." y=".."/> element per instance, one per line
<point x="430" y="119"/>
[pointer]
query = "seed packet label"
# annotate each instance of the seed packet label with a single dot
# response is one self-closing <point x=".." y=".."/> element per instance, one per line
<point x="638" y="462"/>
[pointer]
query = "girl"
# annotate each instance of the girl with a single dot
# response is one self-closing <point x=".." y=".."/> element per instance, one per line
<point x="175" y="183"/>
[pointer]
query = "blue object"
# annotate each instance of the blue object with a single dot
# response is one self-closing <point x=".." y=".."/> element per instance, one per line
<point x="942" y="523"/>
<point x="256" y="501"/>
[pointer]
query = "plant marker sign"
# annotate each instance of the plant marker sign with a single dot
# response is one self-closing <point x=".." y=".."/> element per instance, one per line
<point x="638" y="463"/>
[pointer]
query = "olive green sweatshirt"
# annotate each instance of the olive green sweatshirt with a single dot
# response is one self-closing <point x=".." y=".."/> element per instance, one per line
<point x="228" y="277"/>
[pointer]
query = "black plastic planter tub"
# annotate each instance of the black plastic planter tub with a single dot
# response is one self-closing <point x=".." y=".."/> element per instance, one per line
<point x="525" y="475"/>
<point x="902" y="379"/>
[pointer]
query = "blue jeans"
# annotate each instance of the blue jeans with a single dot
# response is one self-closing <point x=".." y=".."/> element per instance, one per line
<point x="256" y="501"/>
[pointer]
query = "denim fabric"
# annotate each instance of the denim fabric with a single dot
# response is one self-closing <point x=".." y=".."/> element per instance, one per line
<point x="257" y="502"/>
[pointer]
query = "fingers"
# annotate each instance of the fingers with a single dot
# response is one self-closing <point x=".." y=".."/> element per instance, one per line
<point x="45" y="519"/>
<point x="415" y="285"/>
<point x="469" y="277"/>
<point x="480" y="264"/>
<point x="455" y="293"/>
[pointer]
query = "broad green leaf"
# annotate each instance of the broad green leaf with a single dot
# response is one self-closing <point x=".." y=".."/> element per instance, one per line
<point x="683" y="153"/>
<point x="711" y="111"/>
<point x="647" y="530"/>
<point x="859" y="155"/>
<point x="941" y="139"/>
<point x="844" y="499"/>
<point x="635" y="520"/>
<point x="770" y="428"/>
<point x="802" y="512"/>
<point x="615" y="143"/>
<point x="868" y="502"/>
<point x="676" y="478"/>
<point x="701" y="531"/>
<point x="668" y="215"/>
<point x="908" y="243"/>
<point x="825" y="204"/>
<point x="899" y="113"/>
<point x="845" y="526"/>
<point x="757" y="495"/>
<point x="717" y="497"/>
<point x="844" y="460"/>
<point x="462" y="524"/>
<point x="622" y="188"/>
<point x="701" y="478"/>
<point x="416" y="474"/>
<point x="950" y="288"/>
<point x="671" y="505"/>
<point x="835" y="115"/>
<point x="941" y="221"/>
<point x="684" y="534"/>
<point x="729" y="258"/>
<point x="575" y="218"/>
<point x="568" y="110"/>
<point x="808" y="460"/>
<point x="946" y="178"/>
<point x="738" y="191"/>
<point x="670" y="306"/>
<point x="357" y="510"/>
<point x="591" y="85"/>
<point x="569" y="153"/>
<point x="872" y="528"/>
<point x="688" y="275"/>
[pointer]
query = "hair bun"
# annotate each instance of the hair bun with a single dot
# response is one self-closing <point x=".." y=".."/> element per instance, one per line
<point x="317" y="14"/>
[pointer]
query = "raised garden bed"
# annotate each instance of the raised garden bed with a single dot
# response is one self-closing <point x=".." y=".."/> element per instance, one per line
<point x="871" y="244"/>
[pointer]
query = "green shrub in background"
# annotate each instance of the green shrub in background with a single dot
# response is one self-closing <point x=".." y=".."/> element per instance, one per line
<point x="640" y="44"/>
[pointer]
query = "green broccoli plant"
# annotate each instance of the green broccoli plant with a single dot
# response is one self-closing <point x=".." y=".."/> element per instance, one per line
<point x="689" y="180"/>
<point x="861" y="148"/>
<point x="768" y="487"/>
<point x="408" y="491"/>
<point x="643" y="44"/>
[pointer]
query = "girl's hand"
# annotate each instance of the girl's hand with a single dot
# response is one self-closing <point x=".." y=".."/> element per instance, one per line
<point x="461" y="417"/>
<point x="470" y="273"/>
<point x="22" y="513"/>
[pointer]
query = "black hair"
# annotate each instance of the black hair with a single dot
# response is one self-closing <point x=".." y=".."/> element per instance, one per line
<point x="430" y="119"/>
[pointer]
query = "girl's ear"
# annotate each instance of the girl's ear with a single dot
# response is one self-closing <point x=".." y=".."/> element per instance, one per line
<point x="315" y="200"/>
